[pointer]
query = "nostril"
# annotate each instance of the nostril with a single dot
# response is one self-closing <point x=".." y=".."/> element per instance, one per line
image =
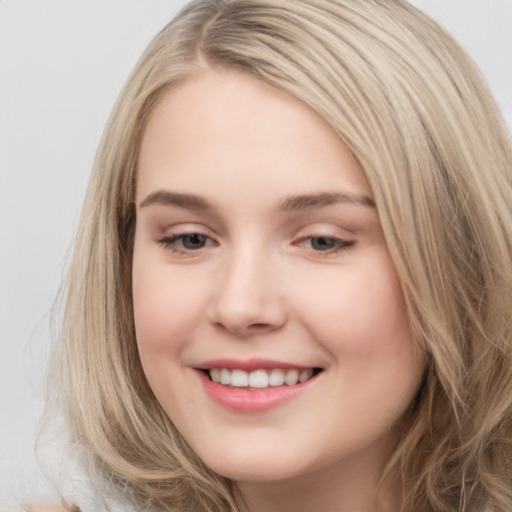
<point x="248" y="309"/>
<point x="259" y="326"/>
<point x="245" y="330"/>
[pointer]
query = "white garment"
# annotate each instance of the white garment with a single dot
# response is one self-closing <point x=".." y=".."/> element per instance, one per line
<point x="54" y="471"/>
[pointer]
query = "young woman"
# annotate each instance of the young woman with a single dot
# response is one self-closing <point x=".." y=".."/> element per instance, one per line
<point x="292" y="282"/>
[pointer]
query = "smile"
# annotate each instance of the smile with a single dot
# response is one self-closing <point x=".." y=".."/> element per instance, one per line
<point x="255" y="386"/>
<point x="260" y="378"/>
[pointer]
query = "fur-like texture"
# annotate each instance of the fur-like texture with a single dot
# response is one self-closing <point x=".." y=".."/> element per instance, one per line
<point x="49" y="471"/>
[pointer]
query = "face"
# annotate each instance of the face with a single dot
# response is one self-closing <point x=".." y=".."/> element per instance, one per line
<point x="269" y="318"/>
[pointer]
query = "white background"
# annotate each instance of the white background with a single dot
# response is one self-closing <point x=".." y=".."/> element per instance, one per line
<point x="62" y="64"/>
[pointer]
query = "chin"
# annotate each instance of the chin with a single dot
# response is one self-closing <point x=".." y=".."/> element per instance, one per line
<point x="258" y="467"/>
<point x="256" y="472"/>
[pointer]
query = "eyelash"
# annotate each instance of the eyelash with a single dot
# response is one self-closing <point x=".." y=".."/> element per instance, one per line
<point x="338" y="245"/>
<point x="176" y="243"/>
<point x="171" y="242"/>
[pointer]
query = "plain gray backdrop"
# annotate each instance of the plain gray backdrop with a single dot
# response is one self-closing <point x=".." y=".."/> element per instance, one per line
<point x="62" y="64"/>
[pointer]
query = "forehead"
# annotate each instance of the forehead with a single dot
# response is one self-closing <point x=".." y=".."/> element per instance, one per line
<point x="228" y="127"/>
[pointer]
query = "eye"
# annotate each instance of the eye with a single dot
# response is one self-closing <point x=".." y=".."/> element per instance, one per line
<point x="186" y="242"/>
<point x="325" y="244"/>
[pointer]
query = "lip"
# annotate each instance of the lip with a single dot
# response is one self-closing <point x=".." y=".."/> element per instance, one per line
<point x="255" y="400"/>
<point x="249" y="365"/>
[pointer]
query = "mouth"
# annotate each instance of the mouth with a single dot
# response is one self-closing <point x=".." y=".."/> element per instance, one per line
<point x="255" y="385"/>
<point x="260" y="378"/>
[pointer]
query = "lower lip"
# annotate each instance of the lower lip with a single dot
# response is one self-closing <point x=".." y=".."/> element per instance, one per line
<point x="258" y="400"/>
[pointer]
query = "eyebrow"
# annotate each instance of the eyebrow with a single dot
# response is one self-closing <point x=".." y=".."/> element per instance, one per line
<point x="303" y="202"/>
<point x="292" y="203"/>
<point x="167" y="198"/>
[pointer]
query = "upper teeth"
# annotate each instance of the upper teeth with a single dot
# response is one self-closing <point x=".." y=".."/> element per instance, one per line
<point x="259" y="378"/>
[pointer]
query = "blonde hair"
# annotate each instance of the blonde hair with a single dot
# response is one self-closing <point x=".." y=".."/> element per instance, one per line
<point x="418" y="116"/>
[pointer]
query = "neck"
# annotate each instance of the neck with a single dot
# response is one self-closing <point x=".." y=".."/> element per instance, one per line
<point x="344" y="487"/>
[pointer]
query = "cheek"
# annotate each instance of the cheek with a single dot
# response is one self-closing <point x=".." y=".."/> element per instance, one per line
<point x="165" y="305"/>
<point x="361" y="320"/>
<point x="361" y="311"/>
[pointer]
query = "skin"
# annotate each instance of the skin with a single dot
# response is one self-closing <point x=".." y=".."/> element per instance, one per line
<point x="312" y="285"/>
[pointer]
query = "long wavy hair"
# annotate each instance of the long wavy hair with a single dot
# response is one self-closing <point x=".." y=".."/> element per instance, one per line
<point x="418" y="116"/>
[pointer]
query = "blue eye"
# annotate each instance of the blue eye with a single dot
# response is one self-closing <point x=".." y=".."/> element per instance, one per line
<point x="193" y="241"/>
<point x="186" y="242"/>
<point x="323" y="243"/>
<point x="326" y="244"/>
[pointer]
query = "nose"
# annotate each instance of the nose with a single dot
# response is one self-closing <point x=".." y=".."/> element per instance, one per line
<point x="248" y="299"/>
